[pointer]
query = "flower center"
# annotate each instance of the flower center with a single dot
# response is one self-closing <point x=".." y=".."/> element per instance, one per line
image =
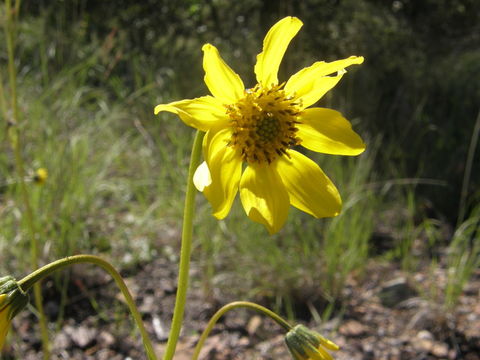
<point x="263" y="124"/>
<point x="267" y="128"/>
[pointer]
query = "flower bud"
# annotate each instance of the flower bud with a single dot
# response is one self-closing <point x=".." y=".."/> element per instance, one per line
<point x="305" y="344"/>
<point x="12" y="300"/>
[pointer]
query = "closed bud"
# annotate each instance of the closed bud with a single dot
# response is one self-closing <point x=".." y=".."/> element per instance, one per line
<point x="12" y="300"/>
<point x="305" y="344"/>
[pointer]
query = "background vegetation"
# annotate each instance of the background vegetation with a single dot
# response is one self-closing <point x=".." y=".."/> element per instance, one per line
<point x="90" y="73"/>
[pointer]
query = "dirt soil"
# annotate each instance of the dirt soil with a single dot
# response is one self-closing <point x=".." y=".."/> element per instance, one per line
<point x="385" y="316"/>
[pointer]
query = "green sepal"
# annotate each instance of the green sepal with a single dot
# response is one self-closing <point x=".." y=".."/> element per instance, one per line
<point x="16" y="299"/>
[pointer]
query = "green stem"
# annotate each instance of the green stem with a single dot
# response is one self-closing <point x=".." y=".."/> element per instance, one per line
<point x="184" y="267"/>
<point x="3" y="101"/>
<point x="237" y="304"/>
<point x="30" y="280"/>
<point x="11" y="14"/>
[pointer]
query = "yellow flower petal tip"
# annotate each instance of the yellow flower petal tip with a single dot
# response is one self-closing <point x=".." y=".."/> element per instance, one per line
<point x="221" y="80"/>
<point x="274" y="46"/>
<point x="305" y="344"/>
<point x="357" y="59"/>
<point x="251" y="133"/>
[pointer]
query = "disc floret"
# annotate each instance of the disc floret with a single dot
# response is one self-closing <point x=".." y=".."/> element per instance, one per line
<point x="263" y="124"/>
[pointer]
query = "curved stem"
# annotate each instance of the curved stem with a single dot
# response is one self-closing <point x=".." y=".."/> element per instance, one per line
<point x="246" y="304"/>
<point x="28" y="281"/>
<point x="184" y="267"/>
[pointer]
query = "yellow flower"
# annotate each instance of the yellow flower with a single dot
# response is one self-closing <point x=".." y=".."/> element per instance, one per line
<point x="261" y="126"/>
<point x="40" y="176"/>
<point x="305" y="344"/>
<point x="12" y="300"/>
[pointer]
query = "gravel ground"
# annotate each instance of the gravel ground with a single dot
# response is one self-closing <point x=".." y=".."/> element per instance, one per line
<point x="384" y="316"/>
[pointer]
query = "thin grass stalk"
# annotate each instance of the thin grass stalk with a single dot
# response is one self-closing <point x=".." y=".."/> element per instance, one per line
<point x="468" y="170"/>
<point x="463" y="257"/>
<point x="20" y="170"/>
<point x="3" y="101"/>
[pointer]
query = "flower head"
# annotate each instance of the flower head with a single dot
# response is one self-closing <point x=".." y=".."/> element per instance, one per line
<point x="12" y="300"/>
<point x="305" y="344"/>
<point x="40" y="176"/>
<point x="252" y="133"/>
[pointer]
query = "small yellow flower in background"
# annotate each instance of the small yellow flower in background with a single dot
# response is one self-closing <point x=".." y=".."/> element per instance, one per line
<point x="261" y="126"/>
<point x="305" y="344"/>
<point x="12" y="301"/>
<point x="40" y="176"/>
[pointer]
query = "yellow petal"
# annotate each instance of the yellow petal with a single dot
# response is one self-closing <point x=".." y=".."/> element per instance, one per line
<point x="274" y="46"/>
<point x="264" y="197"/>
<point x="327" y="131"/>
<point x="202" y="177"/>
<point x="225" y="168"/>
<point x="330" y="345"/>
<point x="311" y="83"/>
<point x="203" y="113"/>
<point x="221" y="80"/>
<point x="309" y="188"/>
<point x="316" y="354"/>
<point x="325" y="354"/>
<point x="4" y="325"/>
